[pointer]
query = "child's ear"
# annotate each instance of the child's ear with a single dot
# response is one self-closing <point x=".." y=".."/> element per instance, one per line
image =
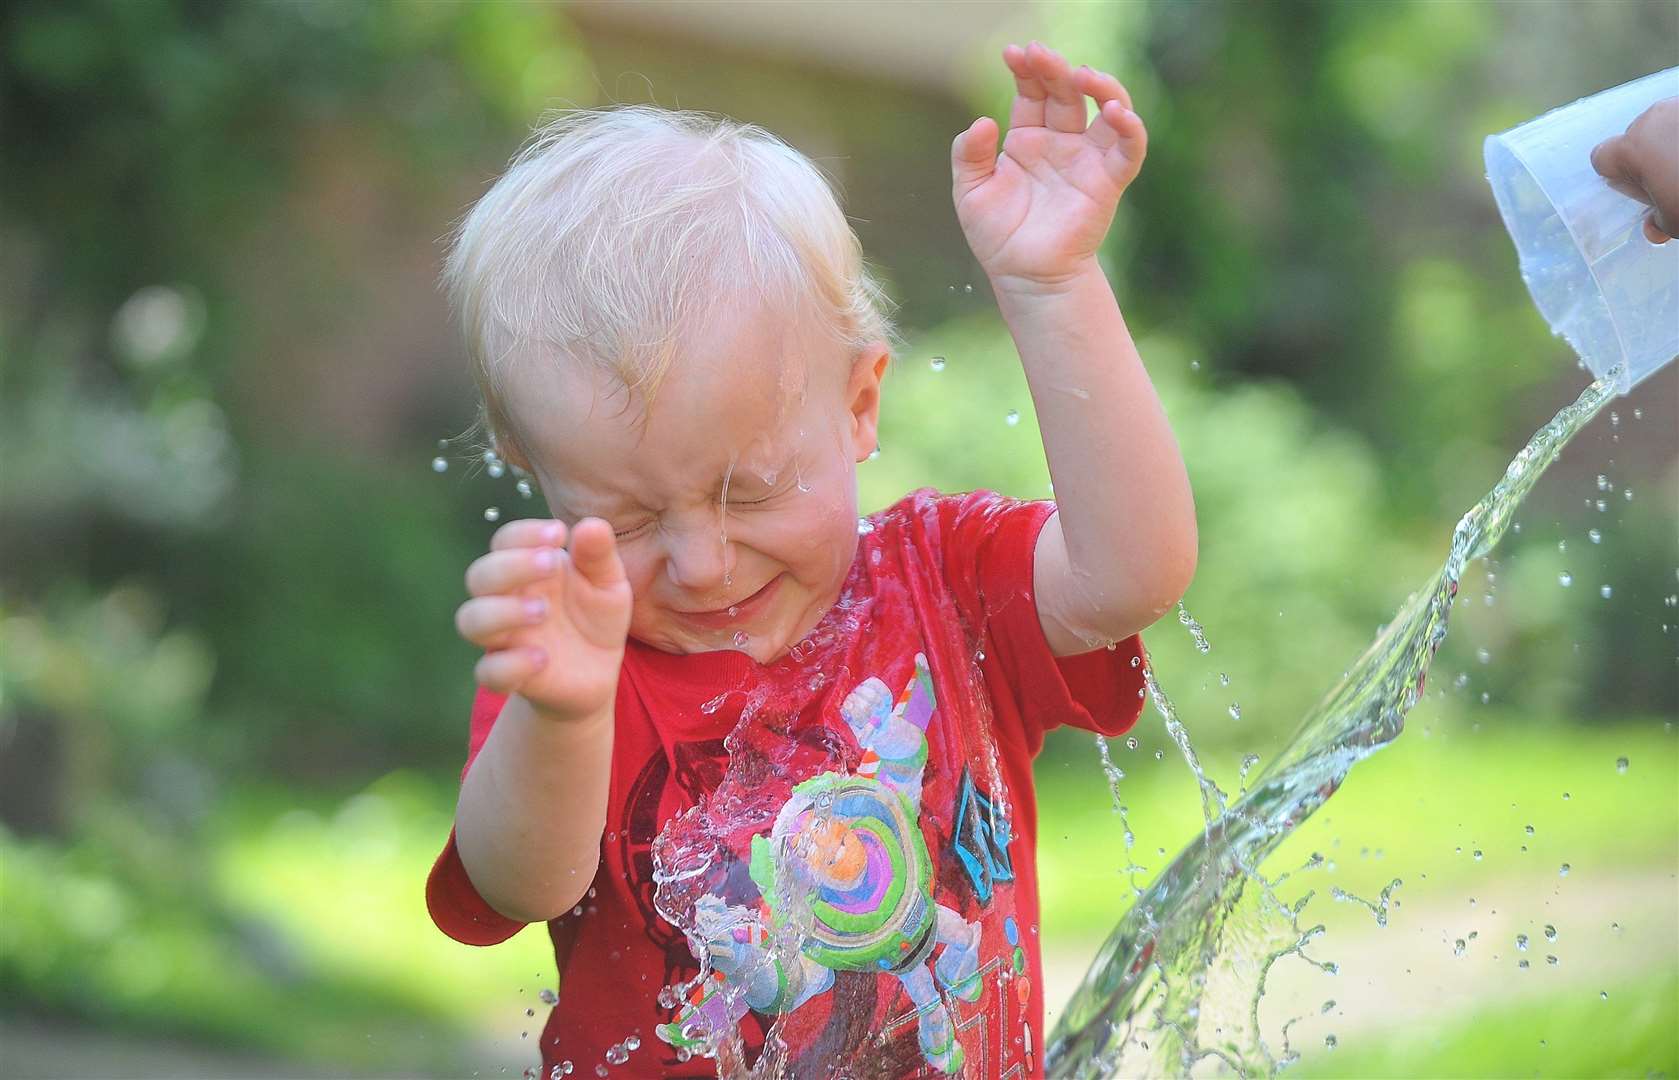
<point x="509" y="450"/>
<point x="863" y="397"/>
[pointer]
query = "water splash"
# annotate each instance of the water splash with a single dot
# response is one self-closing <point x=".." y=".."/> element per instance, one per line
<point x="1177" y="984"/>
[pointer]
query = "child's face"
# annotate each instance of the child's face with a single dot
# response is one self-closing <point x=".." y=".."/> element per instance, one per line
<point x="775" y="412"/>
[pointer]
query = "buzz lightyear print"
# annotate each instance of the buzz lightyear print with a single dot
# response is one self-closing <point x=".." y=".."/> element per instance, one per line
<point x="846" y="885"/>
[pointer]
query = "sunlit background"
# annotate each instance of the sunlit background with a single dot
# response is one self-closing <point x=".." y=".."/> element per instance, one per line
<point x="234" y="704"/>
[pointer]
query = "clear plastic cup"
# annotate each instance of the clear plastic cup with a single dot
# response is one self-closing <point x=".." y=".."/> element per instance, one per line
<point x="1594" y="275"/>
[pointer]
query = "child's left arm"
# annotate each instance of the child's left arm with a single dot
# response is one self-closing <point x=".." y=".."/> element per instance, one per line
<point x="1121" y="550"/>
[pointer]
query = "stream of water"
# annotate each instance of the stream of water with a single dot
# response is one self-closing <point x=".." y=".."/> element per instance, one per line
<point x="1176" y="986"/>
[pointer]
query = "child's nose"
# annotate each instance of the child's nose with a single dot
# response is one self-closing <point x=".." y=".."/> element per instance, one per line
<point x="699" y="561"/>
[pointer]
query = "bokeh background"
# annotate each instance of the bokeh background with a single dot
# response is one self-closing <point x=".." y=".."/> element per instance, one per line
<point x="233" y="704"/>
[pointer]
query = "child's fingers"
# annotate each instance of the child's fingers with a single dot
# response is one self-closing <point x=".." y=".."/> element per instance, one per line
<point x="529" y="532"/>
<point x="505" y="670"/>
<point x="1064" y="108"/>
<point x="510" y="570"/>
<point x="1101" y="86"/>
<point x="973" y="156"/>
<point x="1117" y="126"/>
<point x="594" y="552"/>
<point x="1029" y="92"/>
<point x="487" y="620"/>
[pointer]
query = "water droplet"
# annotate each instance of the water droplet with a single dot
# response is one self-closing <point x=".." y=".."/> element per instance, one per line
<point x="1602" y="506"/>
<point x="1603" y="995"/>
<point x="547" y="997"/>
<point x="1459" y="947"/>
<point x="1477" y="854"/>
<point x="1522" y="964"/>
<point x="1552" y="960"/>
<point x="1606" y="592"/>
<point x="1012" y="417"/>
<point x="1521" y="942"/>
<point x="439" y="464"/>
<point x="633" y="1043"/>
<point x="1330" y="1004"/>
<point x="1195" y="365"/>
<point x="1483" y="655"/>
<point x="1235" y="710"/>
<point x="979" y="657"/>
<point x="1136" y="661"/>
<point x="1565" y="579"/>
<point x="530" y="1012"/>
<point x="600" y="1070"/>
<point x="1621" y="764"/>
<point x="740" y="639"/>
<point x="616" y="1054"/>
<point x="1562" y="871"/>
<point x="496" y="470"/>
<point x="1638" y="414"/>
<point x="1330" y="1042"/>
<point x="864" y="526"/>
<point x="1566" y="796"/>
<point x="1223" y="679"/>
<point x="967" y="288"/>
<point x="1159" y="754"/>
<point x="1603" y="483"/>
<point x="1529" y="830"/>
<point x="1550" y="932"/>
<point x="492" y="513"/>
<point x="523" y="487"/>
<point x="1594" y="536"/>
<point x="1562" y="545"/>
<point x="1131" y="742"/>
<point x="936" y="363"/>
<point x="874" y="454"/>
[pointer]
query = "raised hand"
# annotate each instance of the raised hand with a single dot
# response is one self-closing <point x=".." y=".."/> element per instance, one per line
<point x="1036" y="214"/>
<point x="552" y="621"/>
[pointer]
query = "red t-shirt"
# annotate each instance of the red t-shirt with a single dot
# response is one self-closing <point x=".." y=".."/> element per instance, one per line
<point x="847" y="834"/>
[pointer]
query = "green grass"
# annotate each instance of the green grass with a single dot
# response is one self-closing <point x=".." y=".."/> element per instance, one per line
<point x="1404" y="812"/>
<point x="1631" y="1034"/>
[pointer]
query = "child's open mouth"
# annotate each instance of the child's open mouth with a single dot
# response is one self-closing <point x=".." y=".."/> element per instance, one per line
<point x="744" y="611"/>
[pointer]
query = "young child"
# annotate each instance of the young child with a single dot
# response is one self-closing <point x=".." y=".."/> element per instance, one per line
<point x="763" y="767"/>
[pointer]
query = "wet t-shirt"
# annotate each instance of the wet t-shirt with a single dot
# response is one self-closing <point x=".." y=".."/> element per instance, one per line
<point x="845" y="837"/>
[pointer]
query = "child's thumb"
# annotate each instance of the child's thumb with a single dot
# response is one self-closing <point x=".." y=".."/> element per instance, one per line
<point x="594" y="552"/>
<point x="973" y="155"/>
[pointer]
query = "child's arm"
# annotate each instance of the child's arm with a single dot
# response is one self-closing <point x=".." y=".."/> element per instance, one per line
<point x="1122" y="548"/>
<point x="553" y="624"/>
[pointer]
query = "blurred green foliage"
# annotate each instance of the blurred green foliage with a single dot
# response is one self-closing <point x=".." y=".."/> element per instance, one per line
<point x="207" y="616"/>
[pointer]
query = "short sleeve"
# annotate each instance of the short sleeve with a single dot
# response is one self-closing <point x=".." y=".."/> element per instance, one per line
<point x="453" y="901"/>
<point x="989" y="544"/>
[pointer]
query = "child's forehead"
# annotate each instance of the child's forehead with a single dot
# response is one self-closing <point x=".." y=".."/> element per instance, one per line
<point x="746" y="392"/>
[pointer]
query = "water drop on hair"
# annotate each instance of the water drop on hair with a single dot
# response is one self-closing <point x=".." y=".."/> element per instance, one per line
<point x="439" y="464"/>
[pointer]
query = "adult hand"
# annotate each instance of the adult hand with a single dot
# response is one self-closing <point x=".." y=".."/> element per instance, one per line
<point x="1644" y="164"/>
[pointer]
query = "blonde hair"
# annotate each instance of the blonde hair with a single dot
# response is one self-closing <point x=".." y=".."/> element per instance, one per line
<point x="615" y="231"/>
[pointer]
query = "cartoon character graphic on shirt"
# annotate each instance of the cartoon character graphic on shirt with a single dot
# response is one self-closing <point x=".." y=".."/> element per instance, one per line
<point x="845" y="884"/>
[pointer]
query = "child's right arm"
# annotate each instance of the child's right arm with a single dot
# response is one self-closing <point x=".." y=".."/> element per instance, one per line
<point x="552" y="623"/>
